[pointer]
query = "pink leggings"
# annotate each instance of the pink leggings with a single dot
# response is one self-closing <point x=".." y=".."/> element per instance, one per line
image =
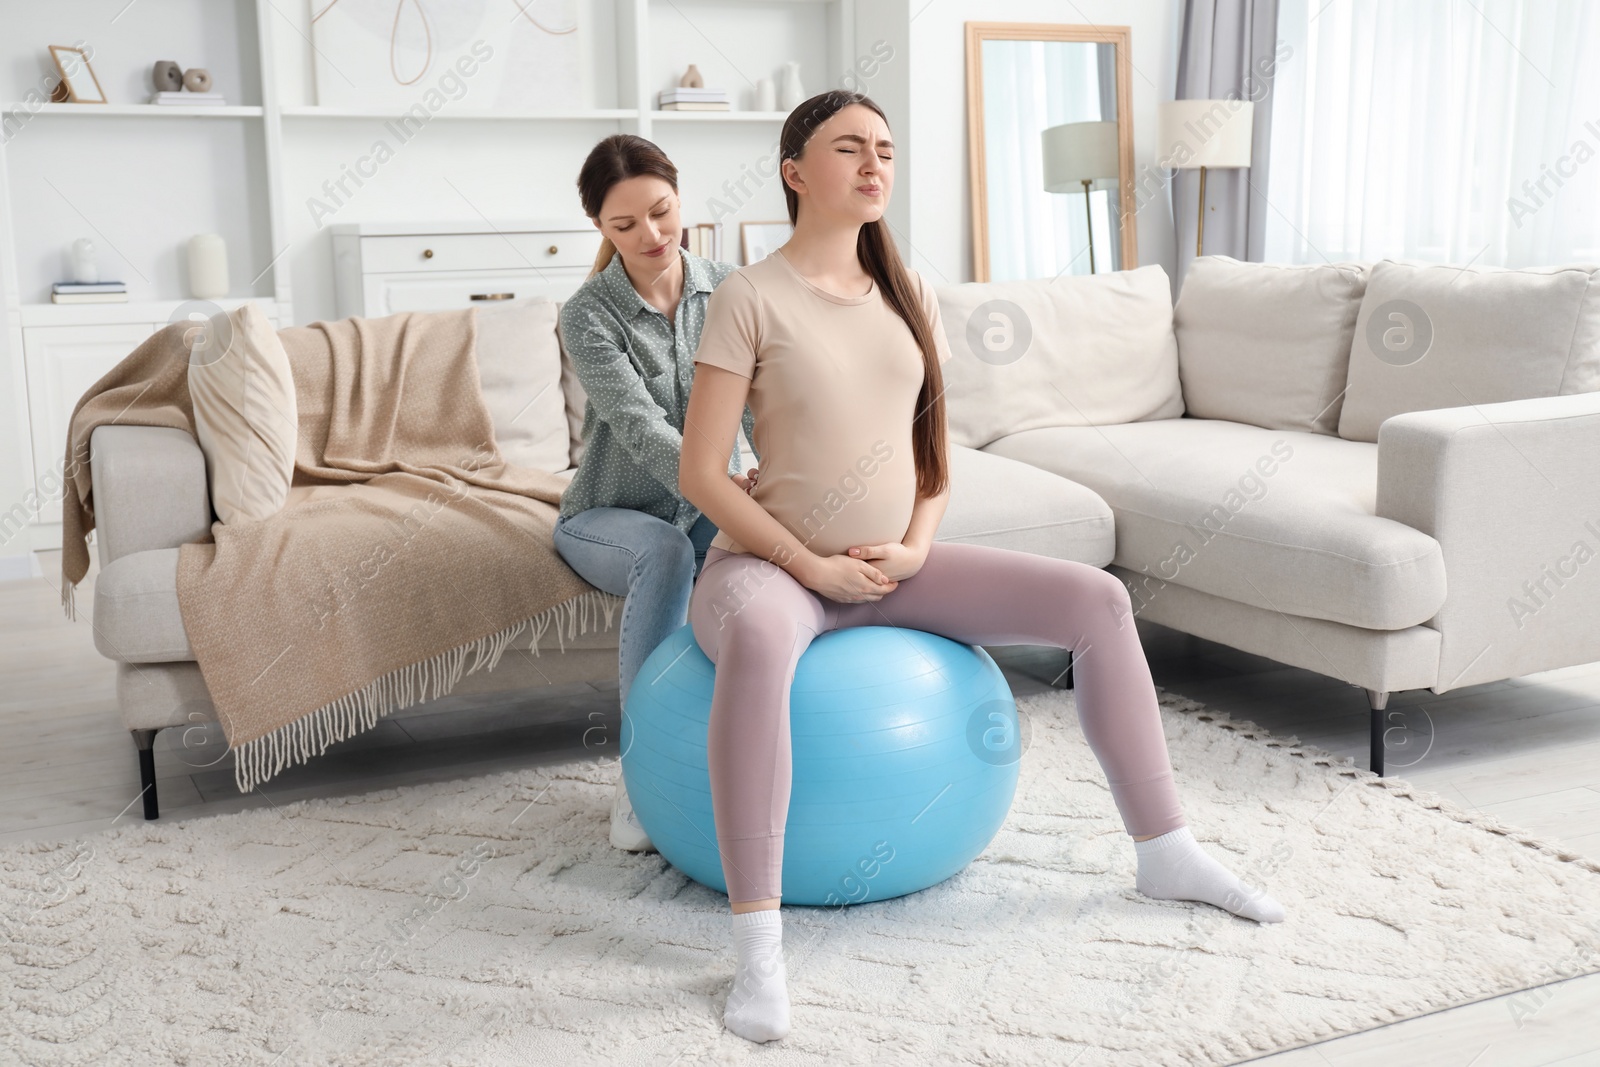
<point x="753" y="620"/>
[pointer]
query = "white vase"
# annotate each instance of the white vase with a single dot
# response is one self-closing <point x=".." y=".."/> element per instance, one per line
<point x="208" y="266"/>
<point x="766" y="95"/>
<point x="790" y="93"/>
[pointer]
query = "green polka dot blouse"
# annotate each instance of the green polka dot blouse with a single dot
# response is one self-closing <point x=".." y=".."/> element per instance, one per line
<point x="636" y="367"/>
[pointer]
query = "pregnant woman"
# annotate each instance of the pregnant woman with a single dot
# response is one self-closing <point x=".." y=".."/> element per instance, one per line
<point x="837" y="347"/>
<point x="630" y="329"/>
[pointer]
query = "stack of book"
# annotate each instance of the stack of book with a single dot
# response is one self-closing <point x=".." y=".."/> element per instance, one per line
<point x="184" y="98"/>
<point x="89" y="293"/>
<point x="684" y="98"/>
<point x="703" y="239"/>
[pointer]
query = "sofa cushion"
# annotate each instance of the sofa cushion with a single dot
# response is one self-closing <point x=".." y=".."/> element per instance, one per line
<point x="1279" y="519"/>
<point x="1431" y="336"/>
<point x="1006" y="504"/>
<point x="1070" y="351"/>
<point x="519" y="370"/>
<point x="1267" y="344"/>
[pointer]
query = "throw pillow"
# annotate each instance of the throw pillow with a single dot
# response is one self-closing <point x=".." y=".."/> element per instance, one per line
<point x="245" y="416"/>
<point x="1267" y="344"/>
<point x="519" y="370"/>
<point x="1079" y="350"/>
<point x="1435" y="336"/>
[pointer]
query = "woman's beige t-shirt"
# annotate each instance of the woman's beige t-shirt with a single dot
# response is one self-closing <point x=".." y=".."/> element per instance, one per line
<point x="833" y="387"/>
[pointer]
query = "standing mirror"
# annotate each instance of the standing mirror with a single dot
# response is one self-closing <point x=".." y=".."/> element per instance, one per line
<point x="1050" y="146"/>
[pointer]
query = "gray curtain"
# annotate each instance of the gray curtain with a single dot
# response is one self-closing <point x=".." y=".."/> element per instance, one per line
<point x="1226" y="46"/>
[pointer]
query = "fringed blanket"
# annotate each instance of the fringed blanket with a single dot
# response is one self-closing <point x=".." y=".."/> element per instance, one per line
<point x="408" y="554"/>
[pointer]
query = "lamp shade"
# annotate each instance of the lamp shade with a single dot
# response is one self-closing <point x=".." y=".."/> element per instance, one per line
<point x="1077" y="152"/>
<point x="1205" y="133"/>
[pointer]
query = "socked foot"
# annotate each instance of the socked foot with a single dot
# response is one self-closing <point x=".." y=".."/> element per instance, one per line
<point x="1175" y="867"/>
<point x="758" y="1005"/>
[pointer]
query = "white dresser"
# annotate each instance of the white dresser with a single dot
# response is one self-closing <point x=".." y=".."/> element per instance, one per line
<point x="384" y="268"/>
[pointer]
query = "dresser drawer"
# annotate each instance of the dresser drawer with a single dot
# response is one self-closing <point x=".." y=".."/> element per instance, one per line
<point x="391" y="293"/>
<point x="528" y="250"/>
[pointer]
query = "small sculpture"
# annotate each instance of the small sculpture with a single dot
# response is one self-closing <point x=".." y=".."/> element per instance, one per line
<point x="691" y="78"/>
<point x="166" y="76"/>
<point x="197" y="80"/>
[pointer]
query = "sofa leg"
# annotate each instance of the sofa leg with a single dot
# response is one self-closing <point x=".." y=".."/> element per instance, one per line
<point x="1377" y="700"/>
<point x="1069" y="668"/>
<point x="145" y="739"/>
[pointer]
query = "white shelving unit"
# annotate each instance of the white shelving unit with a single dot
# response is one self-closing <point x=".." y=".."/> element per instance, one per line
<point x="253" y="170"/>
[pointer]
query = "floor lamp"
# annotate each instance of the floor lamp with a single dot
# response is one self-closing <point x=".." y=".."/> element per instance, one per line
<point x="1079" y="154"/>
<point x="1205" y="133"/>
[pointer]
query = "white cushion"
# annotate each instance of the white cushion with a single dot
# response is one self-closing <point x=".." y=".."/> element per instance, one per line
<point x="1452" y="336"/>
<point x="1071" y="351"/>
<point x="1004" y="503"/>
<point x="245" y="415"/>
<point x="519" y="369"/>
<point x="1266" y="343"/>
<point x="1278" y="519"/>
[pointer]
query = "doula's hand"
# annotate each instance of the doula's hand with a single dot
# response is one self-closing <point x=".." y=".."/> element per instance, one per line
<point x="748" y="484"/>
<point x="846" y="580"/>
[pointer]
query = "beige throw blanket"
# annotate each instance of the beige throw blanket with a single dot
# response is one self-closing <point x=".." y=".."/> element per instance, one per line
<point x="408" y="552"/>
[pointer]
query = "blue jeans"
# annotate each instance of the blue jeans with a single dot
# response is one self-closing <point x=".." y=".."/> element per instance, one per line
<point x="645" y="559"/>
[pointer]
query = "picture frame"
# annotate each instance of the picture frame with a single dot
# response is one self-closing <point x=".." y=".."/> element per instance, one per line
<point x="79" y="84"/>
<point x="758" y="239"/>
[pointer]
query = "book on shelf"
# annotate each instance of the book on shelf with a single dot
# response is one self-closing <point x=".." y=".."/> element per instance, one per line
<point x="89" y="298"/>
<point x="89" y="287"/>
<point x="693" y="92"/>
<point x="184" y="98"/>
<point x="688" y="99"/>
<point x="703" y="239"/>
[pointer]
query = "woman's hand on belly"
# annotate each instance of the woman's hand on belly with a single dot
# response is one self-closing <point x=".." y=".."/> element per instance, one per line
<point x="893" y="558"/>
<point x="845" y="580"/>
<point x="748" y="484"/>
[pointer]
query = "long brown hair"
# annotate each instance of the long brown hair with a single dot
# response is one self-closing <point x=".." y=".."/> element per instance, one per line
<point x="614" y="159"/>
<point x="875" y="249"/>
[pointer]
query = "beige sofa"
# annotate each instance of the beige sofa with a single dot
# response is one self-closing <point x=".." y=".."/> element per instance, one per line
<point x="1277" y="464"/>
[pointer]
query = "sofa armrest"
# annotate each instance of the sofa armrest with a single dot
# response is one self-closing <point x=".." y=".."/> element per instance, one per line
<point x="1511" y="492"/>
<point x="150" y="489"/>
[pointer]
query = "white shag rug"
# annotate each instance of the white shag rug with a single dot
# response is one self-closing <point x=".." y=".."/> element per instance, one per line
<point x="488" y="921"/>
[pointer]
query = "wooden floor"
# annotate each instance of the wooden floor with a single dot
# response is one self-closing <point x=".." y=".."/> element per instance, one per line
<point x="1526" y="750"/>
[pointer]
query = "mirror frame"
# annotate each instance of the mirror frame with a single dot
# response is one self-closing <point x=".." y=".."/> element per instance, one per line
<point x="1118" y="36"/>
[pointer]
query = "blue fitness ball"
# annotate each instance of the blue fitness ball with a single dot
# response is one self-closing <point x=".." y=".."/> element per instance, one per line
<point x="906" y="752"/>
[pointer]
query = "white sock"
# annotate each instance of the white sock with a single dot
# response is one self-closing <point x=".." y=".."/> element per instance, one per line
<point x="1175" y="867"/>
<point x="758" y="1005"/>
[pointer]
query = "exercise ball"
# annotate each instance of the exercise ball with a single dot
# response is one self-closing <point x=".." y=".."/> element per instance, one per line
<point x="906" y="753"/>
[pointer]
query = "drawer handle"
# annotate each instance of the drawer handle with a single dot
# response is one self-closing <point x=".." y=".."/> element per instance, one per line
<point x="553" y="250"/>
<point x="494" y="296"/>
<point x="427" y="253"/>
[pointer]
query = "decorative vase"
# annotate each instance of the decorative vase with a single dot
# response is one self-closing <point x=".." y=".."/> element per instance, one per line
<point x="208" y="266"/>
<point x="85" y="268"/>
<point x="790" y="93"/>
<point x="691" y="78"/>
<point x="166" y="76"/>
<point x="197" y="80"/>
<point x="766" y="95"/>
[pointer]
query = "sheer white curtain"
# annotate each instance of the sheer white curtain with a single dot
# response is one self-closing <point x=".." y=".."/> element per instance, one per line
<point x="1028" y="86"/>
<point x="1451" y="131"/>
